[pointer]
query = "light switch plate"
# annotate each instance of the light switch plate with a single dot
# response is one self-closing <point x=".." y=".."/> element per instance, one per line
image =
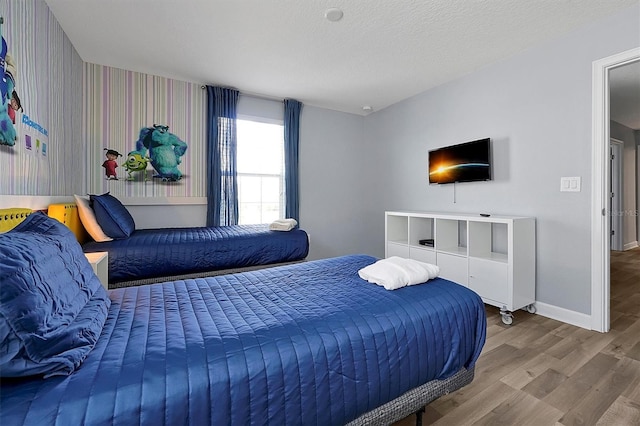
<point x="570" y="184"/>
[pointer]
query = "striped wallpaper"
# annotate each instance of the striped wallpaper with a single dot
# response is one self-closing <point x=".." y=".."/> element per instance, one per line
<point x="117" y="104"/>
<point x="49" y="84"/>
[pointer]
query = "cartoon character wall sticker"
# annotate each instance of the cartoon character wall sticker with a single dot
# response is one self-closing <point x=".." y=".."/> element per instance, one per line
<point x="164" y="149"/>
<point x="9" y="100"/>
<point x="110" y="163"/>
<point x="156" y="146"/>
<point x="136" y="163"/>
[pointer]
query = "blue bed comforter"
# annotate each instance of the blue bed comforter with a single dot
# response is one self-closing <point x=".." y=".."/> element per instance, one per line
<point x="149" y="253"/>
<point x="308" y="343"/>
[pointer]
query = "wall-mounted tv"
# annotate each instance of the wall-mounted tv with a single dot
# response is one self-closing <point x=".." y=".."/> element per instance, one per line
<point x="465" y="162"/>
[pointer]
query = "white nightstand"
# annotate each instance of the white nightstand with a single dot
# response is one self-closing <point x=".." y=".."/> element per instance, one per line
<point x="100" y="263"/>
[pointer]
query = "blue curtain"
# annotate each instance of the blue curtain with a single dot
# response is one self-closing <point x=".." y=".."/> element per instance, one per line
<point x="292" y="110"/>
<point x="222" y="185"/>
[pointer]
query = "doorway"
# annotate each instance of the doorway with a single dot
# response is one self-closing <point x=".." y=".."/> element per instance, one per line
<point x="601" y="180"/>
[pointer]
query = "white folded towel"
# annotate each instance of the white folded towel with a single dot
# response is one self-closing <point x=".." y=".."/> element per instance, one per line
<point x="396" y="272"/>
<point x="283" y="224"/>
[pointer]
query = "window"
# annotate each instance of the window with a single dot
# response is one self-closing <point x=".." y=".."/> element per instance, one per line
<point x="260" y="167"/>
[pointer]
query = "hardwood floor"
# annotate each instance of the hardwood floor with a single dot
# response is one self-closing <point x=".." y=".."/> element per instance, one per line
<point x="543" y="372"/>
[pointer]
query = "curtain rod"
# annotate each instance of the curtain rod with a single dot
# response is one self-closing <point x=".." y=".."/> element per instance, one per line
<point x="255" y="96"/>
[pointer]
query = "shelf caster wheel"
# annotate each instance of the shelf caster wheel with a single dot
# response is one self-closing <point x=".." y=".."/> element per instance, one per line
<point x="507" y="316"/>
<point x="507" y="319"/>
<point x="531" y="308"/>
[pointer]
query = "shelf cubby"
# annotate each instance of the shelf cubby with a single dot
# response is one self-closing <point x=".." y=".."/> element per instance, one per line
<point x="398" y="229"/>
<point x="488" y="241"/>
<point x="420" y="228"/>
<point x="451" y="236"/>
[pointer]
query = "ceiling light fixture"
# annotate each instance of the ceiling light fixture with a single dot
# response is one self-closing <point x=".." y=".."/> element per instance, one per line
<point x="333" y="14"/>
<point x="367" y="108"/>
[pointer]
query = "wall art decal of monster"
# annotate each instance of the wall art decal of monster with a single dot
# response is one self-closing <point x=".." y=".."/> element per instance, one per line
<point x="164" y="151"/>
<point x="136" y="163"/>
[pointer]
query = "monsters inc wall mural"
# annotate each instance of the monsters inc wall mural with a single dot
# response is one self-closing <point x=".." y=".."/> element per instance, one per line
<point x="156" y="146"/>
<point x="26" y="156"/>
<point x="14" y="123"/>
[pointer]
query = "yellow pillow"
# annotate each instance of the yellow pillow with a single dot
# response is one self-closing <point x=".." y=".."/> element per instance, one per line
<point x="10" y="218"/>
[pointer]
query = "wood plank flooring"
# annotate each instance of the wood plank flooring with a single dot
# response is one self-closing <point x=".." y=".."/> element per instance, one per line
<point x="543" y="372"/>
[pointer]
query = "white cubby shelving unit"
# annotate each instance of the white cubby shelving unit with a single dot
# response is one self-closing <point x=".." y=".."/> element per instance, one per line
<point x="493" y="255"/>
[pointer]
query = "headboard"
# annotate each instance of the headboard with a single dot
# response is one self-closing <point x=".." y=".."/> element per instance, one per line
<point x="67" y="213"/>
<point x="10" y="218"/>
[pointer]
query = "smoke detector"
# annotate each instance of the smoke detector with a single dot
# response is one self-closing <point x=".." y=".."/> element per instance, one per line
<point x="333" y="14"/>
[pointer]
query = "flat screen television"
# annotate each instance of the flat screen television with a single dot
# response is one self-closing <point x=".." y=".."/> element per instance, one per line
<point x="465" y="162"/>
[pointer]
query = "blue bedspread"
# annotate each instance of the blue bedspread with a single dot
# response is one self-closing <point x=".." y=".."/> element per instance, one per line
<point x="308" y="343"/>
<point x="149" y="253"/>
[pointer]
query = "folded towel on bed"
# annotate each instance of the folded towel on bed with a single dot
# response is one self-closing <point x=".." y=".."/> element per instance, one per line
<point x="396" y="272"/>
<point x="283" y="224"/>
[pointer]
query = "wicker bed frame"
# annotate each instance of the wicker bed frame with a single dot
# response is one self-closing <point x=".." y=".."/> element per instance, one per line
<point x="414" y="400"/>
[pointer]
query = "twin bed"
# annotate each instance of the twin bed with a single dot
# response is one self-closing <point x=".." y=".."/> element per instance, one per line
<point x="308" y="343"/>
<point x="155" y="255"/>
<point x="151" y="255"/>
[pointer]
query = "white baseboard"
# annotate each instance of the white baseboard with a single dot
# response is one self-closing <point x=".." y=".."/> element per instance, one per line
<point x="631" y="245"/>
<point x="561" y="314"/>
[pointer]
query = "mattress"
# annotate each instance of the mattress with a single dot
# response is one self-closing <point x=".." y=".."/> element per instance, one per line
<point x="149" y="253"/>
<point x="307" y="343"/>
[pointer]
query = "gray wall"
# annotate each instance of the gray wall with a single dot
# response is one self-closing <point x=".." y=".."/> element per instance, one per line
<point x="335" y="184"/>
<point x="536" y="107"/>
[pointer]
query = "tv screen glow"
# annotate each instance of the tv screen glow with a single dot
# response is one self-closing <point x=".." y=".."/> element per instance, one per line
<point x="466" y="162"/>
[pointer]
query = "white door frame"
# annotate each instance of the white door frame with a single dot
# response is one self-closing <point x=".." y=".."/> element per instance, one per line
<point x="600" y="227"/>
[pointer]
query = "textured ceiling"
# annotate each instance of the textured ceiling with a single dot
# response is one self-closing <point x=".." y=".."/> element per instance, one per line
<point x="381" y="52"/>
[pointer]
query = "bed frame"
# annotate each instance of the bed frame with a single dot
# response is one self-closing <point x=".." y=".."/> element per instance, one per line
<point x="196" y="275"/>
<point x="414" y="401"/>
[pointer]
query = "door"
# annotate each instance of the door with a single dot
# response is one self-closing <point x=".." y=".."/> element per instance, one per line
<point x="615" y="197"/>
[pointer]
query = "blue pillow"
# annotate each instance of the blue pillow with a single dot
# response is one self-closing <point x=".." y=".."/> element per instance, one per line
<point x="52" y="305"/>
<point x="114" y="219"/>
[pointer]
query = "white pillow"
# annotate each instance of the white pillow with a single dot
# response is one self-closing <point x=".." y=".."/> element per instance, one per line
<point x="88" y="219"/>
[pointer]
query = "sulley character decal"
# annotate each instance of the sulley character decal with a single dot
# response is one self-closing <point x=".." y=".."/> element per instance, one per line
<point x="165" y="151"/>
